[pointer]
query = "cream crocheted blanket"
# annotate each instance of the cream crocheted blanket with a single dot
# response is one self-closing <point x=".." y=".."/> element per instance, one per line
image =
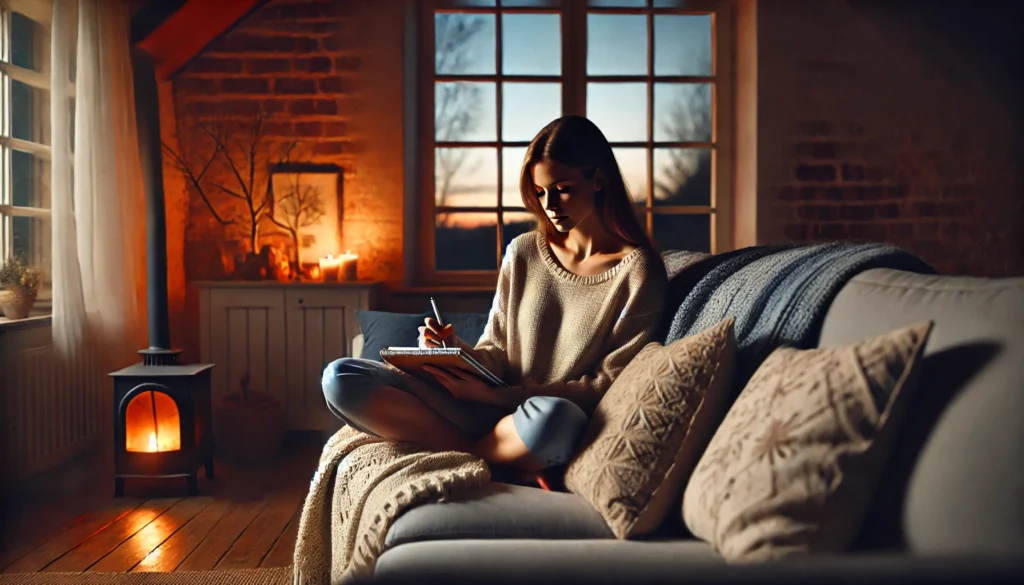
<point x="363" y="483"/>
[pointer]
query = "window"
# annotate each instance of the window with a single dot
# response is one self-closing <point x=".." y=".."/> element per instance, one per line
<point x="25" y="134"/>
<point x="652" y="74"/>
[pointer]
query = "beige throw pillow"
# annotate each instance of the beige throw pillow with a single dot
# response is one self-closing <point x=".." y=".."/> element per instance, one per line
<point x="794" y="464"/>
<point x="650" y="428"/>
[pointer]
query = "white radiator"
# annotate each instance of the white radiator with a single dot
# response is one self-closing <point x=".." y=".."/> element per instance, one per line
<point x="49" y="411"/>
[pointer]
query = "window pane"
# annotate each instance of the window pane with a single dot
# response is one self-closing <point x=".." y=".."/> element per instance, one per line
<point x="466" y="177"/>
<point x="30" y="179"/>
<point x="528" y="107"/>
<point x="23" y="34"/>
<point x="30" y="108"/>
<point x="511" y="166"/>
<point x="682" y="176"/>
<point x="464" y="44"/>
<point x="531" y="44"/>
<point x="683" y="232"/>
<point x="466" y="241"/>
<point x="633" y="166"/>
<point x="616" y="44"/>
<point x="466" y="3"/>
<point x="464" y="112"/>
<point x="30" y="239"/>
<point x="682" y="44"/>
<point x="515" y="223"/>
<point x="619" y="110"/>
<point x="618" y="3"/>
<point x="531" y="3"/>
<point x="682" y="112"/>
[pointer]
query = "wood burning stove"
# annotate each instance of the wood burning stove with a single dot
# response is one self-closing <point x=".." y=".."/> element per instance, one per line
<point x="162" y="423"/>
<point x="161" y="407"/>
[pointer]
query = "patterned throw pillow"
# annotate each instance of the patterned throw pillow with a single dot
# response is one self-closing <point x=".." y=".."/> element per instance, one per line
<point x="650" y="428"/>
<point x="793" y="466"/>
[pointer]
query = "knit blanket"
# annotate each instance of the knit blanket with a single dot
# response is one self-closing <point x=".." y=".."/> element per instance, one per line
<point x="778" y="295"/>
<point x="362" y="484"/>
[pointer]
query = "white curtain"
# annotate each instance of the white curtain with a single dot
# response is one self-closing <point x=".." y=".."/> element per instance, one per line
<point x="99" y="216"/>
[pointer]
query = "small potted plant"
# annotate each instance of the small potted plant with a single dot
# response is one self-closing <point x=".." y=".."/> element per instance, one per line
<point x="19" y="286"/>
<point x="248" y="425"/>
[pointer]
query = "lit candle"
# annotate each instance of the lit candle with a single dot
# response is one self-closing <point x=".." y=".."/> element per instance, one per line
<point x="349" y="266"/>
<point x="330" y="268"/>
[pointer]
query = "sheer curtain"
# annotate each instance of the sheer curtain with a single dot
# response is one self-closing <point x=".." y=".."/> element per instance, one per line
<point x="98" y="215"/>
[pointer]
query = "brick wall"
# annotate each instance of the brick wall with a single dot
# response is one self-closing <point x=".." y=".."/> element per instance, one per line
<point x="873" y="126"/>
<point x="324" y="73"/>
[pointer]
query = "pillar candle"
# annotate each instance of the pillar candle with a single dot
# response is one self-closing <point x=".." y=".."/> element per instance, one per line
<point x="330" y="268"/>
<point x="349" y="267"/>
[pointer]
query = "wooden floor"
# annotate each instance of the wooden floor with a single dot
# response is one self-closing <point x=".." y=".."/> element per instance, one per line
<point x="68" y="519"/>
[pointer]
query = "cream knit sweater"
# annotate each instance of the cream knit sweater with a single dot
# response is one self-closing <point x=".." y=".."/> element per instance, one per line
<point x="554" y="333"/>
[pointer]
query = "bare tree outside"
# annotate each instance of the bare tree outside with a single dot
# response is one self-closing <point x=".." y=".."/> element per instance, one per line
<point x="457" y="105"/>
<point x="300" y="206"/>
<point x="685" y="177"/>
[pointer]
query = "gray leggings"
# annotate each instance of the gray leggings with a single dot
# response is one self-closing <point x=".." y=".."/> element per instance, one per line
<point x="551" y="428"/>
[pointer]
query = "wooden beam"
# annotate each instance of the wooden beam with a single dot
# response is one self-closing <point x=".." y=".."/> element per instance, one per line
<point x="184" y="34"/>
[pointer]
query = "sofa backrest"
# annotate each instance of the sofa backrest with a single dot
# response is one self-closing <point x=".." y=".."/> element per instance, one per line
<point x="955" y="482"/>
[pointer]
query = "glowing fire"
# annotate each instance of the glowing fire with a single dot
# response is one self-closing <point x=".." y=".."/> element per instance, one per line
<point x="152" y="424"/>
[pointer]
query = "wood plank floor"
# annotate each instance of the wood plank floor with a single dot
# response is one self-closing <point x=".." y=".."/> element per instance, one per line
<point x="68" y="520"/>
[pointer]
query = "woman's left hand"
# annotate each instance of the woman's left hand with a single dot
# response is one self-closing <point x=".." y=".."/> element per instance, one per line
<point x="462" y="385"/>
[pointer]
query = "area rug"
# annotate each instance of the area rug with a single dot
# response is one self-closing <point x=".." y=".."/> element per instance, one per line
<point x="275" y="576"/>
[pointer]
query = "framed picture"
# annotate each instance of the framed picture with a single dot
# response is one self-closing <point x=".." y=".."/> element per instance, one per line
<point x="306" y="205"/>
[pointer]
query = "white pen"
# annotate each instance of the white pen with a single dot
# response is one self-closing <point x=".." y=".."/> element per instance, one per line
<point x="437" y="315"/>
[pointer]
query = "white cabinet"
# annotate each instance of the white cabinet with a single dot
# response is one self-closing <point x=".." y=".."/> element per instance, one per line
<point x="282" y="336"/>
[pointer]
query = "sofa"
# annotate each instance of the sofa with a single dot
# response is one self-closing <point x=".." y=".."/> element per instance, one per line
<point x="949" y="507"/>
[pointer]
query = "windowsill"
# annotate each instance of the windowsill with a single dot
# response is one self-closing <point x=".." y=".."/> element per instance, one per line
<point x="34" y="320"/>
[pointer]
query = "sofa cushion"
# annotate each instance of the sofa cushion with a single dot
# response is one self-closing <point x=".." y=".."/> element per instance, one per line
<point x="955" y="482"/>
<point x="650" y="428"/>
<point x="500" y="510"/>
<point x="561" y="561"/>
<point x="381" y="329"/>
<point x="792" y="468"/>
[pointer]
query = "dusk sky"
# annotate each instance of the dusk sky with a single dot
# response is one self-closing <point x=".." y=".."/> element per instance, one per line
<point x="617" y="45"/>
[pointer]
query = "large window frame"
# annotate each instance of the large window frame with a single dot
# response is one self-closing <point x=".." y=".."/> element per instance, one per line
<point x="574" y="79"/>
<point x="38" y="79"/>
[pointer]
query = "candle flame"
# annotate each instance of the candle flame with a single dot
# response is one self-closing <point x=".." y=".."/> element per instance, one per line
<point x="152" y="441"/>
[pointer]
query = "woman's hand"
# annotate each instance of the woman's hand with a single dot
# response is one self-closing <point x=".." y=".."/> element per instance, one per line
<point x="462" y="385"/>
<point x="432" y="334"/>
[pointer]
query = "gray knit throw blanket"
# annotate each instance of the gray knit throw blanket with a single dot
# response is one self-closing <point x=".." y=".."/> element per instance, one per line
<point x="778" y="295"/>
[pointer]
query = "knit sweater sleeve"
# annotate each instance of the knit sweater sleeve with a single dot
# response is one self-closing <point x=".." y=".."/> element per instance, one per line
<point x="638" y="326"/>
<point x="492" y="348"/>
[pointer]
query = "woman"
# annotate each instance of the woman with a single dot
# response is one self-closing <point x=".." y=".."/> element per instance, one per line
<point x="576" y="299"/>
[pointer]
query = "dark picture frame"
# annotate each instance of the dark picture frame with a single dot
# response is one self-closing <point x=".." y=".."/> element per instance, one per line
<point x="308" y="198"/>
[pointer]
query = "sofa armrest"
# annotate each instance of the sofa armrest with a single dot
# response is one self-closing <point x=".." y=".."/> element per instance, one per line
<point x="357" y="346"/>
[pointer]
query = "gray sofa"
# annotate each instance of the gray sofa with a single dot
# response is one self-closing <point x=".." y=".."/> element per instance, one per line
<point x="949" y="508"/>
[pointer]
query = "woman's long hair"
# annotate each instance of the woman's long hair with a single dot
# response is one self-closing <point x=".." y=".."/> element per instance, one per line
<point x="577" y="142"/>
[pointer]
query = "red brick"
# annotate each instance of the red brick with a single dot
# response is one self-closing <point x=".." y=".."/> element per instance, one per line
<point x="867" y="231"/>
<point x="308" y="129"/>
<point x="294" y="86"/>
<point x="853" y="173"/>
<point x="335" y="128"/>
<point x="242" y="107"/>
<point x="795" y="231"/>
<point x="237" y="42"/>
<point x="268" y="65"/>
<point x="305" y="106"/>
<point x="335" y="42"/>
<point x="896" y="191"/>
<point x="923" y="209"/>
<point x="298" y="10"/>
<point x="196" y="85"/>
<point x="215" y="65"/>
<point x="278" y="128"/>
<point x="888" y="211"/>
<point x="336" y="85"/>
<point x="274" y="106"/>
<point x="816" y="150"/>
<point x="313" y="65"/>
<point x="347" y="63"/>
<point x="328" y="148"/>
<point x="251" y="85"/>
<point x="202" y="109"/>
<point x="818" y="173"/>
<point x="830" y="231"/>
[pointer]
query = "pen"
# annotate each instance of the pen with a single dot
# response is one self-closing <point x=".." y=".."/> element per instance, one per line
<point x="437" y="315"/>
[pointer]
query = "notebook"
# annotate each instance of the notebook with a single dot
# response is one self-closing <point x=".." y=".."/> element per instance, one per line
<point x="412" y="359"/>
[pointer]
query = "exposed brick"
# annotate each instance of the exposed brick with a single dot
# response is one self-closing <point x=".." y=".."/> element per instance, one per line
<point x="268" y="65"/>
<point x="196" y="85"/>
<point x="278" y="128"/>
<point x="242" y="107"/>
<point x="830" y="231"/>
<point x="815" y="129"/>
<point x="896" y="191"/>
<point x="795" y="231"/>
<point x="215" y="65"/>
<point x="336" y="85"/>
<point x="853" y="173"/>
<point x="313" y="65"/>
<point x="253" y="43"/>
<point x="867" y="231"/>
<point x="294" y="86"/>
<point x="335" y="42"/>
<point x="926" y="230"/>
<point x="307" y="107"/>
<point x="308" y="129"/>
<point x="330" y="148"/>
<point x="923" y="209"/>
<point x="201" y="109"/>
<point x="347" y="63"/>
<point x="833" y="194"/>
<point x="788" y="194"/>
<point x="335" y="128"/>
<point x="888" y="211"/>
<point x="808" y="193"/>
<point x="274" y="106"/>
<point x="296" y="10"/>
<point x="819" y="173"/>
<point x="857" y="212"/>
<point x="250" y="85"/>
<point x="900" y="230"/>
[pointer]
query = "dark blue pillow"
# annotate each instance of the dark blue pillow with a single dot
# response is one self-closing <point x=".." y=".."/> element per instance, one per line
<point x="381" y="329"/>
